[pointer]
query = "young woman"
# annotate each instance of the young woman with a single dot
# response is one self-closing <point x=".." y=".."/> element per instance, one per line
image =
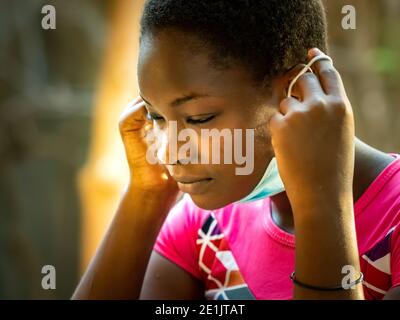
<point x="228" y="65"/>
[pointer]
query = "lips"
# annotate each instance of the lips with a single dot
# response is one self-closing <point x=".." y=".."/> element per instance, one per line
<point x="188" y="179"/>
<point x="193" y="185"/>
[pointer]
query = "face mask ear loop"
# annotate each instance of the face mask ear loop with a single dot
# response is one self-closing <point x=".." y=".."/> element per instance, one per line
<point x="304" y="70"/>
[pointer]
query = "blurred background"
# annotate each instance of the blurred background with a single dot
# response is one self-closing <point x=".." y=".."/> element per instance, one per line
<point x="62" y="168"/>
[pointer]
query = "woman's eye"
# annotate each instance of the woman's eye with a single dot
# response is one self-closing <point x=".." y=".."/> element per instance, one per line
<point x="200" y="120"/>
<point x="155" y="117"/>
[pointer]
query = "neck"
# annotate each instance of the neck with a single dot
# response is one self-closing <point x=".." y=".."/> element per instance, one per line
<point x="369" y="162"/>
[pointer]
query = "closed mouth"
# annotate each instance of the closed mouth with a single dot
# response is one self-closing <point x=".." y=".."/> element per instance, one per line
<point x="193" y="181"/>
<point x="194" y="185"/>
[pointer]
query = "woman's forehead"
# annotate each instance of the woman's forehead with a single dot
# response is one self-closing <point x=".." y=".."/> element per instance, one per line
<point x="166" y="64"/>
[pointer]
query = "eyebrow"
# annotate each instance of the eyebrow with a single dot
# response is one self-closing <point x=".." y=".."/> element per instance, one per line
<point x="181" y="100"/>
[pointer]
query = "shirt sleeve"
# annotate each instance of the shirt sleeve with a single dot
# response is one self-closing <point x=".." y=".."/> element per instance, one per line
<point x="395" y="257"/>
<point x="177" y="238"/>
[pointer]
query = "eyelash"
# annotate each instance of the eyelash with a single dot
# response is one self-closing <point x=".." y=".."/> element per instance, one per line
<point x="155" y="117"/>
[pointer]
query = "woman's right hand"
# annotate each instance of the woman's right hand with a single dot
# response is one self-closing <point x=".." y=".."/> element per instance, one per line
<point x="142" y="209"/>
<point x="134" y="126"/>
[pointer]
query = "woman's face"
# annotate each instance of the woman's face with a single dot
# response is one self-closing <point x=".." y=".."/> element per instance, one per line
<point x="168" y="69"/>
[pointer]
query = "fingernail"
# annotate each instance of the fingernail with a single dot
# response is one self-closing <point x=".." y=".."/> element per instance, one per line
<point x="314" y="52"/>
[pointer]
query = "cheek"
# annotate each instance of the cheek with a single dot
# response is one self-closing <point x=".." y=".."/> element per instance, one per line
<point x="262" y="142"/>
<point x="230" y="187"/>
<point x="240" y="155"/>
<point x="235" y="185"/>
<point x="263" y="152"/>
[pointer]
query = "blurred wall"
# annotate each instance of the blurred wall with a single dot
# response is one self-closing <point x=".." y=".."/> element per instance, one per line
<point x="105" y="173"/>
<point x="47" y="81"/>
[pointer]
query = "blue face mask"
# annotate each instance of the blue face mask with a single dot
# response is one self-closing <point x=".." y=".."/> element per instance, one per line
<point x="269" y="185"/>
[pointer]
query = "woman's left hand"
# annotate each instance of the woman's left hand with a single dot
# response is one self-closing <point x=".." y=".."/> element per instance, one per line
<point x="313" y="137"/>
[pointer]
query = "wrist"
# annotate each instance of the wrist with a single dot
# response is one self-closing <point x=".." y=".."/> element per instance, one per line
<point x="160" y="193"/>
<point x="152" y="182"/>
<point x="322" y="206"/>
<point x="330" y="190"/>
<point x="147" y="207"/>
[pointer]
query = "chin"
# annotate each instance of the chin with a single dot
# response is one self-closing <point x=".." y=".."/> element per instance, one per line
<point x="210" y="203"/>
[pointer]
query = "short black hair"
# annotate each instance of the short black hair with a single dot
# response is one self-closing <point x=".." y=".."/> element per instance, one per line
<point x="267" y="37"/>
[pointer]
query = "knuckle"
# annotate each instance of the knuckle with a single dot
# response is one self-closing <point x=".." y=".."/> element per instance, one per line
<point x="295" y="114"/>
<point x="306" y="78"/>
<point x="337" y="103"/>
<point x="288" y="104"/>
<point x="340" y="109"/>
<point x="294" y="118"/>
<point x="307" y="75"/>
<point x="318" y="102"/>
<point x="329" y="73"/>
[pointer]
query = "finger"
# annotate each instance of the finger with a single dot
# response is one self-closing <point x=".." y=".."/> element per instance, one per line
<point x="329" y="77"/>
<point x="308" y="86"/>
<point x="289" y="105"/>
<point x="136" y="100"/>
<point x="292" y="74"/>
<point x="134" y="105"/>
<point x="134" y="112"/>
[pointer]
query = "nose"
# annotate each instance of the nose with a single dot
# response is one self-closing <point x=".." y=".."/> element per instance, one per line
<point x="169" y="151"/>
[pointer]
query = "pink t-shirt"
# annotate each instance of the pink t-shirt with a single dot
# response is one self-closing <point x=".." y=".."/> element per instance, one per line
<point x="238" y="251"/>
